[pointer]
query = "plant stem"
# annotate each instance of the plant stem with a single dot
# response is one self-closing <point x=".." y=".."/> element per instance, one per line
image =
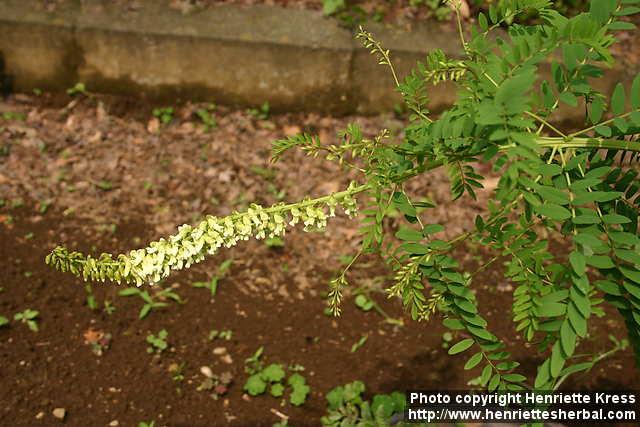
<point x="546" y="123"/>
<point x="571" y="135"/>
<point x="574" y="142"/>
<point x="459" y="22"/>
<point x="597" y="359"/>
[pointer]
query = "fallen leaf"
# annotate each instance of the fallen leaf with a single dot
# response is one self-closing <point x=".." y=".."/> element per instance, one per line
<point x="153" y="125"/>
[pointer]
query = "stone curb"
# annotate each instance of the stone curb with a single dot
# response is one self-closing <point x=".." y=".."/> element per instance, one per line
<point x="297" y="60"/>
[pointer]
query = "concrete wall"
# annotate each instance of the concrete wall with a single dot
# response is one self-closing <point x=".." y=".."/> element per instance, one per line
<point x="295" y="59"/>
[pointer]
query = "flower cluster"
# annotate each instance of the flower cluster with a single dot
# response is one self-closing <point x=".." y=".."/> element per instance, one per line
<point x="193" y="243"/>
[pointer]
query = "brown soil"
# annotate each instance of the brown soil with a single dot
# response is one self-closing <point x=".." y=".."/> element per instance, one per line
<point x="115" y="179"/>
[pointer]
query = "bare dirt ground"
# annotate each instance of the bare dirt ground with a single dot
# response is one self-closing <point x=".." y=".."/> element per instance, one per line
<point x="102" y="174"/>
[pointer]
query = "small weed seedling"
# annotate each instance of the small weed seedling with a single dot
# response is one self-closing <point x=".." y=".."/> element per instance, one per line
<point x="271" y="378"/>
<point x="207" y="117"/>
<point x="299" y="389"/>
<point x="104" y="185"/>
<point x="43" y="206"/>
<point x="224" y="334"/>
<point x="279" y="195"/>
<point x="107" y="228"/>
<point x="268" y="174"/>
<point x="253" y="364"/>
<point x="29" y="317"/>
<point x="356" y="346"/>
<point x="212" y="285"/>
<point x="331" y="7"/>
<point x="11" y="115"/>
<point x="91" y="299"/>
<point x="438" y="9"/>
<point x="3" y="321"/>
<point x="108" y="307"/>
<point x="261" y="113"/>
<point x="350" y="15"/>
<point x="177" y="371"/>
<point x="346" y="407"/>
<point x="218" y="385"/>
<point x="78" y="89"/>
<point x="158" y="342"/>
<point x="17" y="203"/>
<point x="5" y="149"/>
<point x="99" y="341"/>
<point x="150" y="303"/>
<point x="365" y="303"/>
<point x="147" y="424"/>
<point x="165" y="115"/>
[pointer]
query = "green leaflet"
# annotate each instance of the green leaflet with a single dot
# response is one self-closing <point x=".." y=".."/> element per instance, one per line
<point x="543" y="375"/>
<point x="628" y="256"/>
<point x="635" y="92"/>
<point x="551" y="309"/>
<point x="609" y="287"/>
<point x="461" y="346"/>
<point x="577" y="320"/>
<point x="465" y="305"/>
<point x="494" y="382"/>
<point x="454" y="324"/>
<point x="553" y="195"/>
<point x="432" y="228"/>
<point x="633" y="275"/>
<point x="473" y="361"/>
<point x="618" y="100"/>
<point x="557" y="360"/>
<point x="408" y="234"/>
<point x="567" y="338"/>
<point x="578" y="262"/>
<point x="632" y="288"/>
<point x="581" y="302"/>
<point x="553" y="211"/>
<point x="596" y="110"/>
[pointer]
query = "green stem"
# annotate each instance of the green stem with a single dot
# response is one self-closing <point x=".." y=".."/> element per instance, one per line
<point x="597" y="143"/>
<point x="595" y="360"/>
<point x="459" y="22"/>
<point x="546" y="123"/>
<point x="606" y="122"/>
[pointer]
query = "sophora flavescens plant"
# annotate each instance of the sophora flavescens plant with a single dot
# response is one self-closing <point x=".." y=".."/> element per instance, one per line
<point x="577" y="187"/>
